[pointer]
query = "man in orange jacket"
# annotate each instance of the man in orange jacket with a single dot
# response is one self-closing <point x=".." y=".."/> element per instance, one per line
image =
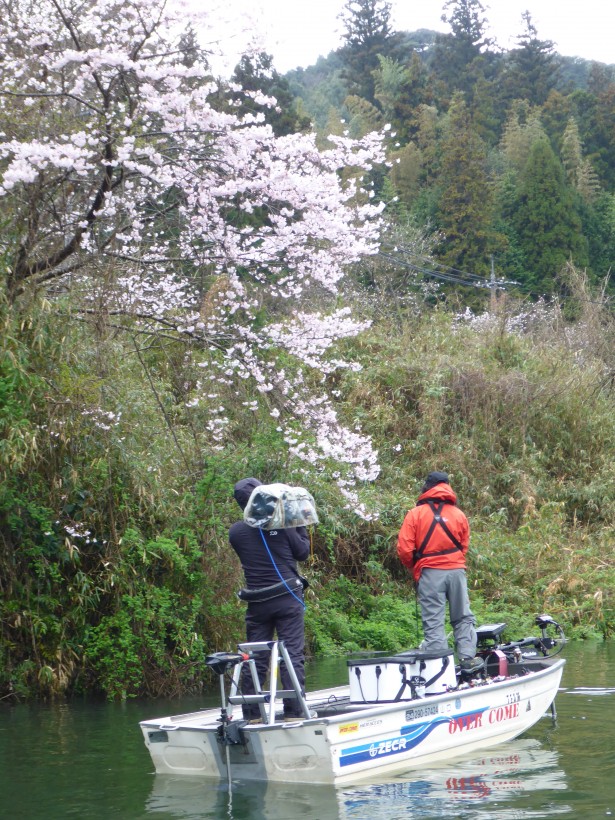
<point x="432" y="543"/>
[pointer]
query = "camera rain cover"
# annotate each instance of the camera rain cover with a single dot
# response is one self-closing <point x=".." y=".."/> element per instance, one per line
<point x="279" y="507"/>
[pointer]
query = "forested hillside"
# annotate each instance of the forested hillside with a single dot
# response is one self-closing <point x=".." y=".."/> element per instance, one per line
<point x="394" y="261"/>
<point x="509" y="155"/>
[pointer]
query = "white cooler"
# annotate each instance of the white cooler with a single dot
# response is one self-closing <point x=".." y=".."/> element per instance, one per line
<point x="405" y="676"/>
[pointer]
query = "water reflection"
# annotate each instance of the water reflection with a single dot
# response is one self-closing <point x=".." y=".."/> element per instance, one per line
<point x="474" y="784"/>
<point x="469" y="787"/>
<point x="192" y="798"/>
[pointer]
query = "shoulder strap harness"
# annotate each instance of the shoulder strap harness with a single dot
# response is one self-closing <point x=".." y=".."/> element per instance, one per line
<point x="436" y="508"/>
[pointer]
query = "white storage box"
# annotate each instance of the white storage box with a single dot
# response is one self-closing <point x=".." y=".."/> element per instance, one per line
<point x="405" y="676"/>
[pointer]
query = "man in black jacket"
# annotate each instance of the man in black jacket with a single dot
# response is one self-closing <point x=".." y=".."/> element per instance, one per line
<point x="269" y="559"/>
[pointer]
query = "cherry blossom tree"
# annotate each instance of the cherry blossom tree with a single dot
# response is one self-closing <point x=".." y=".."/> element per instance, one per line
<point x="125" y="180"/>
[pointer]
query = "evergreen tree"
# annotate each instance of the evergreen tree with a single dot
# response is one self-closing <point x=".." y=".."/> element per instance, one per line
<point x="532" y="67"/>
<point x="465" y="209"/>
<point x="407" y="172"/>
<point x="256" y="73"/>
<point x="596" y="120"/>
<point x="462" y="56"/>
<point x="428" y="133"/>
<point x="190" y="49"/>
<point x="368" y="33"/>
<point x="511" y="258"/>
<point x="523" y="128"/>
<point x="600" y="78"/>
<point x="468" y="24"/>
<point x="554" y="116"/>
<point x="399" y="91"/>
<point x="420" y="82"/>
<point x="486" y="113"/>
<point x="545" y="220"/>
<point x="599" y="228"/>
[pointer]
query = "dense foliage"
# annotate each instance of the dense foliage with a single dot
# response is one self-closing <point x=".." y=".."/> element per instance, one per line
<point x="194" y="289"/>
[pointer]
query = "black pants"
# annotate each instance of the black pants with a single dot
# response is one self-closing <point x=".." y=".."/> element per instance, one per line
<point x="282" y="616"/>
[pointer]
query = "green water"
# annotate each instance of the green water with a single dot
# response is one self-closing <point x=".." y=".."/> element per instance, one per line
<point x="87" y="760"/>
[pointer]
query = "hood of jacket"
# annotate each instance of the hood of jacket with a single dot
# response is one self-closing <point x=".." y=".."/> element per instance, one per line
<point x="441" y="492"/>
<point x="243" y="490"/>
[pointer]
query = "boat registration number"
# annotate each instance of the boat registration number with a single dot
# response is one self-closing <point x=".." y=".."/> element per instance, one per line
<point x="421" y="712"/>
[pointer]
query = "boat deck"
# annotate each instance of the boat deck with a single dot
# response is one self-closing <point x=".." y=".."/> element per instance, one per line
<point x="324" y="704"/>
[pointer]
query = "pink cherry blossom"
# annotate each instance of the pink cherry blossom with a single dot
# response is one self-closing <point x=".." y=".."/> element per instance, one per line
<point x="115" y="149"/>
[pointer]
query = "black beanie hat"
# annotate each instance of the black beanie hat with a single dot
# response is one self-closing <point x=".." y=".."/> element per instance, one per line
<point x="433" y="479"/>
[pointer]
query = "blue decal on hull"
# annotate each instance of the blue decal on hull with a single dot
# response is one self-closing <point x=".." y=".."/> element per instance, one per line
<point x="409" y="738"/>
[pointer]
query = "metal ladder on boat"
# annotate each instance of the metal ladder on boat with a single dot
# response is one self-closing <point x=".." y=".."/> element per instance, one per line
<point x="263" y="697"/>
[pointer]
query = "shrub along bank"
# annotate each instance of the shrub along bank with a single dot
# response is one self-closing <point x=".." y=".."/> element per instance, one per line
<point x="115" y="574"/>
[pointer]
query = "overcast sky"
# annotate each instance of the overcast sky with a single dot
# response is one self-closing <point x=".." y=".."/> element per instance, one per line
<point x="297" y="32"/>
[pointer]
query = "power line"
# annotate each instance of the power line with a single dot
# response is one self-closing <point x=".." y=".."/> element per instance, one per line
<point x="457" y="276"/>
<point x="443" y="272"/>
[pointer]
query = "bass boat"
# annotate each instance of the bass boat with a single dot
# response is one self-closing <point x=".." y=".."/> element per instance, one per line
<point x="396" y="713"/>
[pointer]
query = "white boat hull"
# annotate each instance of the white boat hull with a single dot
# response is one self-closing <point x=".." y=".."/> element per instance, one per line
<point x="363" y="742"/>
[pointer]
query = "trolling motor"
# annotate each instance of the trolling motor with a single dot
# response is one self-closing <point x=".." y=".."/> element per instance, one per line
<point x="497" y="654"/>
<point x="229" y="732"/>
<point x="546" y="641"/>
<point x="549" y="643"/>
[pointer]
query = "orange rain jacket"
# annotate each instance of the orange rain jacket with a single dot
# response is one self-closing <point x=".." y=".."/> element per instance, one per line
<point x="416" y="526"/>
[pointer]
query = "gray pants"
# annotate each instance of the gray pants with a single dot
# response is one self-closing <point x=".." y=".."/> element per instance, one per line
<point x="435" y="588"/>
